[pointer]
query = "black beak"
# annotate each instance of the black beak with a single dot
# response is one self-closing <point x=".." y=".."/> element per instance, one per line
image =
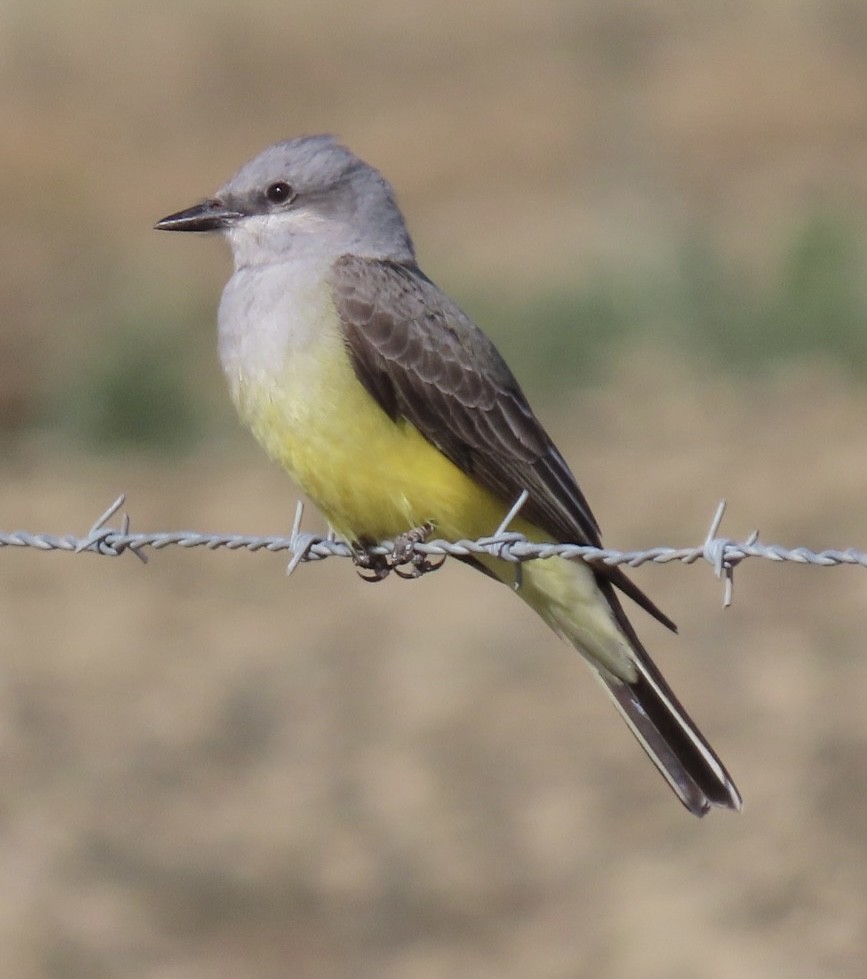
<point x="208" y="216"/>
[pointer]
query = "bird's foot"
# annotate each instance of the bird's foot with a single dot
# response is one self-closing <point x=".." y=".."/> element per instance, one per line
<point x="407" y="562"/>
<point x="369" y="565"/>
<point x="404" y="560"/>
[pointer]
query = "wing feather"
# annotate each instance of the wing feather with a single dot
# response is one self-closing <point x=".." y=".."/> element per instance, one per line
<point x="423" y="359"/>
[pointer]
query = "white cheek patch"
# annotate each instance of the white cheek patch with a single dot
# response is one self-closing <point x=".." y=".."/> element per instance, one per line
<point x="263" y="238"/>
<point x="303" y="221"/>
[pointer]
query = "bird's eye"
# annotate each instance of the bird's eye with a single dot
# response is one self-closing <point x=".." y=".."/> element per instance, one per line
<point x="279" y="192"/>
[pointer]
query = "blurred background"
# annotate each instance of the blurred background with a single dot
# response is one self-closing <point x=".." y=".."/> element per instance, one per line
<point x="658" y="212"/>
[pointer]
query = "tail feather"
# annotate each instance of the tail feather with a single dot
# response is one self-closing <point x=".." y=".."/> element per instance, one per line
<point x="664" y="729"/>
<point x="673" y="743"/>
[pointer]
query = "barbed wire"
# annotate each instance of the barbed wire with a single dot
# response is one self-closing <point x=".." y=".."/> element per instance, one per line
<point x="722" y="553"/>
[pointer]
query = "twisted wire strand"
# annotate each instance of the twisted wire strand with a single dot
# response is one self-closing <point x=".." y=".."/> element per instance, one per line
<point x="722" y="553"/>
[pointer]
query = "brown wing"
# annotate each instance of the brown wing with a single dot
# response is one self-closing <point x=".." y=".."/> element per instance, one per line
<point x="421" y="358"/>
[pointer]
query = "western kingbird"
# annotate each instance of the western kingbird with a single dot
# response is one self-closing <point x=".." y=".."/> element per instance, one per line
<point x="397" y="416"/>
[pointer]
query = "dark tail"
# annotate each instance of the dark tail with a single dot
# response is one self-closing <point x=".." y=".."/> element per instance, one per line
<point x="673" y="743"/>
<point x="666" y="732"/>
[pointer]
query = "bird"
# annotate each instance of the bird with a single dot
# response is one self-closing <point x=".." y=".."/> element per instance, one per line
<point x="398" y="417"/>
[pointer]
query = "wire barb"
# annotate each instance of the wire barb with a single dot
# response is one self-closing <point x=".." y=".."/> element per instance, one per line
<point x="503" y="528"/>
<point x="715" y="554"/>
<point x="301" y="543"/>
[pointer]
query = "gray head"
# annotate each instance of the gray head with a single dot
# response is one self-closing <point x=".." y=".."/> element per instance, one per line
<point x="308" y="195"/>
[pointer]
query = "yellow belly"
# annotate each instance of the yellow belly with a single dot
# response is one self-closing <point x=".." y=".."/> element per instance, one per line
<point x="370" y="476"/>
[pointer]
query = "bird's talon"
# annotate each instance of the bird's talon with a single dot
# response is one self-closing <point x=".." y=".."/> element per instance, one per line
<point x="419" y="564"/>
<point x="404" y="553"/>
<point x="379" y="565"/>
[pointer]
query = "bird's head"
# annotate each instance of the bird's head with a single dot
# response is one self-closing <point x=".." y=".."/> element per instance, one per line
<point x="308" y="195"/>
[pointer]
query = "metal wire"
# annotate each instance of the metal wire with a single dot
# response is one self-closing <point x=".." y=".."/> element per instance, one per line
<point x="722" y="553"/>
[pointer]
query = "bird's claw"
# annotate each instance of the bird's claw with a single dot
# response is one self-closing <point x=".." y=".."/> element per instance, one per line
<point x="377" y="565"/>
<point x="419" y="564"/>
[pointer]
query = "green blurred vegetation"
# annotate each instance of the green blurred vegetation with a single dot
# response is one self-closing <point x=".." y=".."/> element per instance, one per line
<point x="131" y="393"/>
<point x="147" y="386"/>
<point x="708" y="305"/>
<point x="813" y="305"/>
